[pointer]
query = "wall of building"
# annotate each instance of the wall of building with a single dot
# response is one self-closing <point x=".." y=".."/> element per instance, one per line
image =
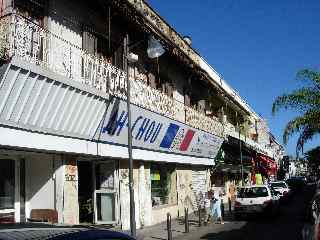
<point x="125" y="194"/>
<point x="51" y="183"/>
<point x="144" y="192"/>
<point x="70" y="191"/>
<point x="40" y="187"/>
<point x="186" y="197"/>
<point x="146" y="215"/>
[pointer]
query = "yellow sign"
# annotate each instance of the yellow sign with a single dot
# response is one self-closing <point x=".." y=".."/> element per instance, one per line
<point x="259" y="179"/>
<point x="155" y="176"/>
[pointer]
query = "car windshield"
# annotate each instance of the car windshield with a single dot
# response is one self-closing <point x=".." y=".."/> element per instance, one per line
<point x="253" y="192"/>
<point x="278" y="185"/>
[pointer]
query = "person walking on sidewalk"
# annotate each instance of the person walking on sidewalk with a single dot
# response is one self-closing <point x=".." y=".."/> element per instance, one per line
<point x="207" y="207"/>
<point x="216" y="207"/>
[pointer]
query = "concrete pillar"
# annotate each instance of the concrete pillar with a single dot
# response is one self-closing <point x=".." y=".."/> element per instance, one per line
<point x="70" y="191"/>
<point x="59" y="183"/>
<point x="144" y="187"/>
<point x="147" y="195"/>
<point x="124" y="194"/>
<point x="136" y="193"/>
<point x="142" y="194"/>
<point x="142" y="190"/>
<point x="184" y="188"/>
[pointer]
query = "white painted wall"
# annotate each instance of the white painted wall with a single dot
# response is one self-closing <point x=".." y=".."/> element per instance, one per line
<point x="39" y="182"/>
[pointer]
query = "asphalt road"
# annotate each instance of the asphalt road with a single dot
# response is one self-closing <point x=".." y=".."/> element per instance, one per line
<point x="287" y="224"/>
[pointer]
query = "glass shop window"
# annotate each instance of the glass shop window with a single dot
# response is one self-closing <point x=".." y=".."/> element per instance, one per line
<point x="163" y="184"/>
<point x="7" y="184"/>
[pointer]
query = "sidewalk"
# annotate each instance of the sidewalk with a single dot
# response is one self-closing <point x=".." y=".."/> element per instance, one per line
<point x="159" y="231"/>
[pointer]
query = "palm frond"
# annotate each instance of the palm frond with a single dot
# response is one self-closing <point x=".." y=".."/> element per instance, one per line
<point x="307" y="101"/>
<point x="306" y="135"/>
<point x="302" y="99"/>
<point x="309" y="75"/>
<point x="311" y="119"/>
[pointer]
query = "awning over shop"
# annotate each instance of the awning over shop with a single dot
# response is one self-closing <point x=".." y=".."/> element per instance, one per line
<point x="231" y="168"/>
<point x="265" y="165"/>
<point x="231" y="148"/>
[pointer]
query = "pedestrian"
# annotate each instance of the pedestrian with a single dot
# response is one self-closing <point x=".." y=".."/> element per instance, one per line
<point x="216" y="207"/>
<point x="207" y="202"/>
<point x="221" y="194"/>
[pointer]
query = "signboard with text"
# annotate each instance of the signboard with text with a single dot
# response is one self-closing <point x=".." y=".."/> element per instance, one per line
<point x="155" y="132"/>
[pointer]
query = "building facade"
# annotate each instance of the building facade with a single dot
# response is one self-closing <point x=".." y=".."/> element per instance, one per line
<point x="64" y="119"/>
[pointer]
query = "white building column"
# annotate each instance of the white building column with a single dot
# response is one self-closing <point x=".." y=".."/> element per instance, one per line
<point x="59" y="187"/>
<point x="70" y="192"/>
<point x="145" y="195"/>
<point x="17" y="192"/>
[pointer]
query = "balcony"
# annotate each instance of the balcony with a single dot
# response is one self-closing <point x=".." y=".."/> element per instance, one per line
<point x="231" y="130"/>
<point x="21" y="38"/>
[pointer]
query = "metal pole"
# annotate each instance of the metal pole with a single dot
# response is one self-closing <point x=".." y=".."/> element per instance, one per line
<point x="131" y="189"/>
<point x="186" y="220"/>
<point x="199" y="210"/>
<point x="240" y="146"/>
<point x="222" y="208"/>
<point x="169" y="231"/>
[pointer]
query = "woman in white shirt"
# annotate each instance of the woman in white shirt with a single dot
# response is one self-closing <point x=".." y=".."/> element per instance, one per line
<point x="216" y="206"/>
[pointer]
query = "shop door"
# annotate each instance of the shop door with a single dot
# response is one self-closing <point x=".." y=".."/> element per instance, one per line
<point x="7" y="190"/>
<point x="104" y="194"/>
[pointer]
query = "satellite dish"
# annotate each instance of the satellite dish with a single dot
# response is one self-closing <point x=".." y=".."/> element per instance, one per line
<point x="155" y="48"/>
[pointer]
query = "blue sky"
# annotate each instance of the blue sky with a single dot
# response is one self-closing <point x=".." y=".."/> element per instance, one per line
<point x="257" y="46"/>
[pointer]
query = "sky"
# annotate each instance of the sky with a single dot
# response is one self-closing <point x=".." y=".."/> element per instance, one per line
<point x="257" y="47"/>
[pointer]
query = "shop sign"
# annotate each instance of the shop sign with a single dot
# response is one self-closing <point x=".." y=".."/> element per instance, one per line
<point x="259" y="179"/>
<point x="155" y="176"/>
<point x="153" y="131"/>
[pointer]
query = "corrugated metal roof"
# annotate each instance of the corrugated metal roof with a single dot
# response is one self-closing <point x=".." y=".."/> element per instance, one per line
<point x="39" y="103"/>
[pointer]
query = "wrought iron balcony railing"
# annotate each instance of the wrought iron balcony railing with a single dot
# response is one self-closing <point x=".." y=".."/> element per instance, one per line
<point x="22" y="38"/>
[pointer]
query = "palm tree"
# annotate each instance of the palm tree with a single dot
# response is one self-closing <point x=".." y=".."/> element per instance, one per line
<point x="306" y="101"/>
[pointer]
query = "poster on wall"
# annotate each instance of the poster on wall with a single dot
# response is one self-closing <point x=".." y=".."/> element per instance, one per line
<point x="155" y="132"/>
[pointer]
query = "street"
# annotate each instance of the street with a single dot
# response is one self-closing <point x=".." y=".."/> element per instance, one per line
<point x="287" y="225"/>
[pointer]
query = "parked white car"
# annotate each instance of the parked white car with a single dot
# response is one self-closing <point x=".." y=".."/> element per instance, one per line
<point x="255" y="199"/>
<point x="282" y="188"/>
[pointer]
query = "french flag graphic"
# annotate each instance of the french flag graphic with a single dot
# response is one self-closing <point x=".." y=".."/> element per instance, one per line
<point x="171" y="137"/>
<point x="187" y="140"/>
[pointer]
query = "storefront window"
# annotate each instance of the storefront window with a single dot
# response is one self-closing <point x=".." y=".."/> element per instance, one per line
<point x="6" y="184"/>
<point x="105" y="175"/>
<point x="163" y="184"/>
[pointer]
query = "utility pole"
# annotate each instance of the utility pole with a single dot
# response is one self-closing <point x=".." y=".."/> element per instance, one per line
<point x="131" y="188"/>
<point x="241" y="160"/>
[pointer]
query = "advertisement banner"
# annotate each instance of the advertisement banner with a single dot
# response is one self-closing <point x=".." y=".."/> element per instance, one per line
<point x="155" y="132"/>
